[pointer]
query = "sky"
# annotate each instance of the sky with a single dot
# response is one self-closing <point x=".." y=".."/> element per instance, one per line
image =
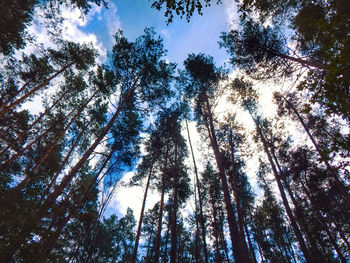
<point x="181" y="38"/>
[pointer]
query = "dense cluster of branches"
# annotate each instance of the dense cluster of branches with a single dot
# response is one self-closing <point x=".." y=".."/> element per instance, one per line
<point x="60" y="167"/>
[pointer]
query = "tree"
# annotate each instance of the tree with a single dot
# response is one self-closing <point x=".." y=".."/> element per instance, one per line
<point x="16" y="16"/>
<point x="201" y="79"/>
<point x="181" y="8"/>
<point x="265" y="52"/>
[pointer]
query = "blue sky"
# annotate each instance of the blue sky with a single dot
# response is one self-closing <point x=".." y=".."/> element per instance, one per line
<point x="201" y="34"/>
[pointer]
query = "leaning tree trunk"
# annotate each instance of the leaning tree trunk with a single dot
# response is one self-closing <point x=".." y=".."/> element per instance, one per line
<point x="37" y="214"/>
<point x="330" y="169"/>
<point x="67" y="179"/>
<point x="199" y="199"/>
<point x="53" y="144"/>
<point x="4" y="109"/>
<point x="24" y="133"/>
<point x="294" y="224"/>
<point x="138" y="233"/>
<point x="234" y="181"/>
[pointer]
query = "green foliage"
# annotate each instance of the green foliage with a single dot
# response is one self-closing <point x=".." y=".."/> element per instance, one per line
<point x="182" y="8"/>
<point x="17" y="15"/>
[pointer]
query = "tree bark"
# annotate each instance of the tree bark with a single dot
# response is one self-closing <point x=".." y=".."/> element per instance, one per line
<point x="240" y="250"/>
<point x="295" y="227"/>
<point x="66" y="180"/>
<point x="173" y="250"/>
<point x="134" y="255"/>
<point x="160" y="216"/>
<point x="330" y="169"/>
<point x="199" y="198"/>
<point x="36" y="88"/>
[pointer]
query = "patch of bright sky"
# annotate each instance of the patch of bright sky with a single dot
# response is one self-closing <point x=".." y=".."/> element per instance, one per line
<point x="181" y="38"/>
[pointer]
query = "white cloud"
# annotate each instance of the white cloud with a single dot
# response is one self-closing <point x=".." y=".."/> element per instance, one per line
<point x="231" y="13"/>
<point x="72" y="28"/>
<point x="113" y="22"/>
<point x="165" y="33"/>
<point x="131" y="197"/>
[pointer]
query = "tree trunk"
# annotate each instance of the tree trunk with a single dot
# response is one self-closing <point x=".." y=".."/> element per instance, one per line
<point x="216" y="232"/>
<point x="322" y="222"/>
<point x="295" y="227"/>
<point x="160" y="216"/>
<point x="330" y="169"/>
<point x="6" y="109"/>
<point x="65" y="160"/>
<point x="50" y="240"/>
<point x="240" y="250"/>
<point x="52" y="146"/>
<point x="173" y="250"/>
<point x="134" y="255"/>
<point x="21" y="151"/>
<point x="251" y="248"/>
<point x="66" y="180"/>
<point x="234" y="181"/>
<point x="24" y="133"/>
<point x="197" y="248"/>
<point x="199" y="198"/>
<point x="313" y="63"/>
<point x="80" y="110"/>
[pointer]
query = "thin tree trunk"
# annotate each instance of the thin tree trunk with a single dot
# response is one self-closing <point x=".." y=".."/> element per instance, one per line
<point x="234" y="181"/>
<point x="21" y="151"/>
<point x="134" y="255"/>
<point x="295" y="227"/>
<point x="65" y="181"/>
<point x="24" y="133"/>
<point x="321" y="221"/>
<point x="149" y="245"/>
<point x="65" y="160"/>
<point x="160" y="216"/>
<point x="36" y="214"/>
<point x="50" y="240"/>
<point x="197" y="248"/>
<point x="216" y="232"/>
<point x="36" y="88"/>
<point x="240" y="250"/>
<point x="313" y="63"/>
<point x="52" y="146"/>
<point x="250" y="243"/>
<point x="173" y="226"/>
<point x="165" y="254"/>
<point x="199" y="198"/>
<point x="222" y="235"/>
<point x="331" y="171"/>
<point x="3" y="105"/>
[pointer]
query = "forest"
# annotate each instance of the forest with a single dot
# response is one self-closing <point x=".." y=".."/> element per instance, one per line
<point x="134" y="112"/>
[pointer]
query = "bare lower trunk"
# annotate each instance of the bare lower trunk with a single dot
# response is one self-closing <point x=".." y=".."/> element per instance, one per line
<point x="199" y="199"/>
<point x="134" y="255"/>
<point x="159" y="229"/>
<point x="331" y="170"/>
<point x="240" y="250"/>
<point x="294" y="224"/>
